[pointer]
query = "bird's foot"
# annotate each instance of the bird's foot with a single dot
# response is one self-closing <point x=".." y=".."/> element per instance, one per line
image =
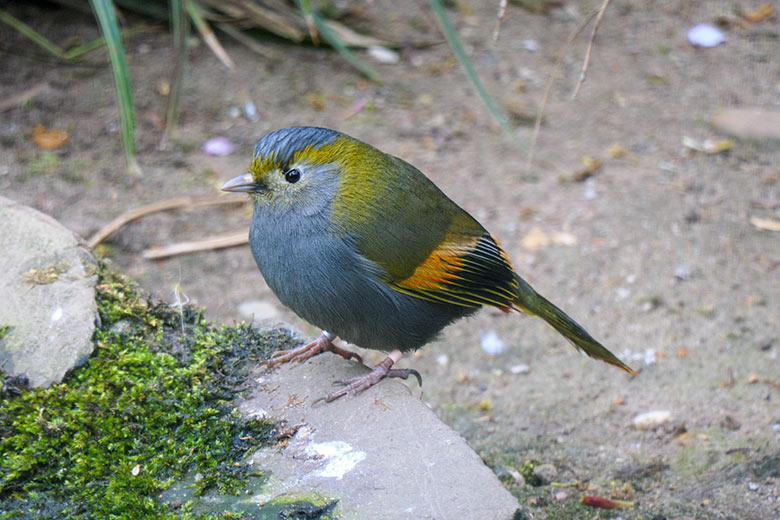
<point x="323" y="343"/>
<point x="381" y="371"/>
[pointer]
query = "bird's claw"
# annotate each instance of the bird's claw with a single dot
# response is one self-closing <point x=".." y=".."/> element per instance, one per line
<point x="355" y="385"/>
<point x="404" y="373"/>
<point x="300" y="354"/>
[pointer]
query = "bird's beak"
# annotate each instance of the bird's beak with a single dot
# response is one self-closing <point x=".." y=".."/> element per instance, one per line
<point x="245" y="183"/>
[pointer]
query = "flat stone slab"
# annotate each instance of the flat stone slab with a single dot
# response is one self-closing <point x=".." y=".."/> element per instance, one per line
<point x="381" y="454"/>
<point x="748" y="123"/>
<point x="47" y="296"/>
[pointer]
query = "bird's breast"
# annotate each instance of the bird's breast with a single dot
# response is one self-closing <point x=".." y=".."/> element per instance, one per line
<point x="324" y="279"/>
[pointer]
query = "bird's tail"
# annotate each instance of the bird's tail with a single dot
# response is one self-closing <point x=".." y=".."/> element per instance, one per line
<point x="535" y="304"/>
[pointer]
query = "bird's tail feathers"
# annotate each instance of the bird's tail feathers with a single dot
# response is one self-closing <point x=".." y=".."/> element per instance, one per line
<point x="535" y="304"/>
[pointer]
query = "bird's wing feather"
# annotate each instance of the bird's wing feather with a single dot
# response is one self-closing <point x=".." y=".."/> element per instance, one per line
<point x="464" y="269"/>
<point x="424" y="244"/>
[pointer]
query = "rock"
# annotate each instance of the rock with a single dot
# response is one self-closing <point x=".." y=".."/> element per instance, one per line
<point x="383" y="54"/>
<point x="381" y="454"/>
<point x="683" y="272"/>
<point x="647" y="420"/>
<point x="491" y="344"/>
<point x="547" y="472"/>
<point x="748" y="123"/>
<point x="258" y="311"/>
<point x="520" y="368"/>
<point x="47" y="279"/>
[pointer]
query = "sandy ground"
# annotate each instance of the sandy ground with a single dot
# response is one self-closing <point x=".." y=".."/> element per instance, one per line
<point x="654" y="253"/>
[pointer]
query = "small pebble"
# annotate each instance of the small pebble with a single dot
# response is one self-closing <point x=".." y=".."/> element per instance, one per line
<point x="683" y="272"/>
<point x="752" y="486"/>
<point x="647" y="420"/>
<point x="530" y="45"/>
<point x="547" y="472"/>
<point x="383" y="54"/>
<point x="491" y="344"/>
<point x="250" y="111"/>
<point x="234" y="112"/>
<point x="443" y="360"/>
<point x="218" y="146"/>
<point x="703" y="35"/>
<point x="522" y="368"/>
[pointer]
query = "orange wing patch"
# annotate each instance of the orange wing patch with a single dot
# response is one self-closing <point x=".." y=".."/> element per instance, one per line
<point x="442" y="267"/>
<point x="464" y="270"/>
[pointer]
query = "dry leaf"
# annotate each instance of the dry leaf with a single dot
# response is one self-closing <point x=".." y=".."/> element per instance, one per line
<point x="717" y="145"/>
<point x="605" y="503"/>
<point x="708" y="146"/>
<point x="591" y="166"/>
<point x="535" y="239"/>
<point x="765" y="223"/>
<point x="616" y="151"/>
<point x="163" y="87"/>
<point x="316" y="100"/>
<point x="49" y="138"/>
<point x="760" y="13"/>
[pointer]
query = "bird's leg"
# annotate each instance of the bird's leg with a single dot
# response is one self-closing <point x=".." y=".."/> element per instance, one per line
<point x="323" y="343"/>
<point x="382" y="370"/>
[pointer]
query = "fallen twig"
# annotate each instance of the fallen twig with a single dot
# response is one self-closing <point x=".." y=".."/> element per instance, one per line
<point x="233" y="239"/>
<point x="590" y="48"/>
<point x="21" y="98"/>
<point x="501" y="12"/>
<point x="548" y="89"/>
<point x="765" y="223"/>
<point x="163" y="205"/>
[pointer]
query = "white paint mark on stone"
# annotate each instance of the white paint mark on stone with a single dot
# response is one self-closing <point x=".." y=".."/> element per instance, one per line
<point x="340" y="457"/>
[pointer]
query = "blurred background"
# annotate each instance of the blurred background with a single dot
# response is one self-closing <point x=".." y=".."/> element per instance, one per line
<point x="647" y="205"/>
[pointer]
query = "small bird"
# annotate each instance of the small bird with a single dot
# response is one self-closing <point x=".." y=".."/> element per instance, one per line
<point x="363" y="245"/>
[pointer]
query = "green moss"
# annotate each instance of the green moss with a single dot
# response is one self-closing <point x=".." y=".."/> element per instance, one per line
<point x="302" y="507"/>
<point x="4" y="330"/>
<point x="155" y="401"/>
<point x="46" y="275"/>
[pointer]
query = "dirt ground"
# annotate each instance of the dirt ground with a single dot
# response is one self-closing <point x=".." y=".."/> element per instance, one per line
<point x="654" y="253"/>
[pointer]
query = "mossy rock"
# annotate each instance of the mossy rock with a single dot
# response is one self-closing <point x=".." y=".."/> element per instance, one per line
<point x="155" y="402"/>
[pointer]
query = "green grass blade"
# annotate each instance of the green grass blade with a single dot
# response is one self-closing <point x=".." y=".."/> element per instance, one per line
<point x="52" y="48"/>
<point x="309" y="12"/>
<point x="179" y="31"/>
<point x="104" y="12"/>
<point x="30" y="33"/>
<point x="460" y="54"/>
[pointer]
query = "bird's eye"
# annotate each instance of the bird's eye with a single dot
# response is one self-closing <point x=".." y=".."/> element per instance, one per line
<point x="292" y="176"/>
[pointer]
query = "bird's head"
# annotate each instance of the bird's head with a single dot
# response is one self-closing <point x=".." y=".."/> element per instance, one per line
<point x="300" y="168"/>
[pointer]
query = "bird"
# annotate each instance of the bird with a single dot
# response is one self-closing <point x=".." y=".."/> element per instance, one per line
<point x="364" y="246"/>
